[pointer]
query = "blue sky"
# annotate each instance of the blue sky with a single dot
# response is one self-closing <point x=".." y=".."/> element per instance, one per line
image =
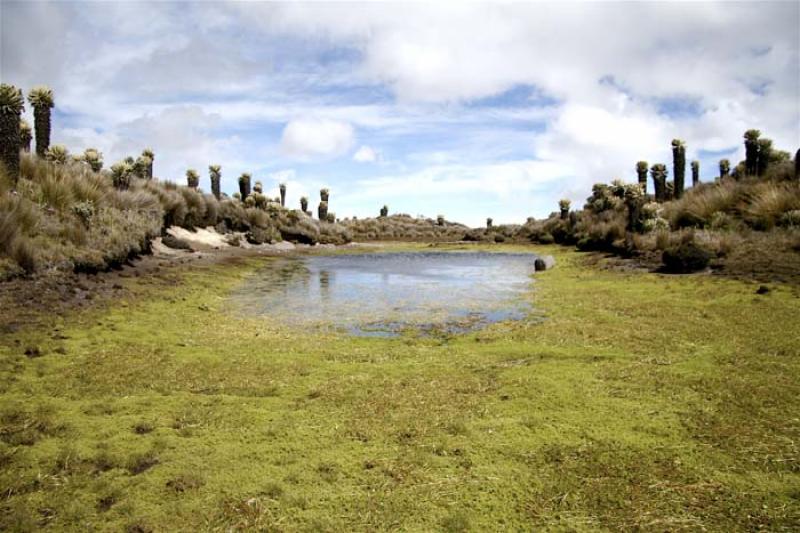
<point x="468" y="110"/>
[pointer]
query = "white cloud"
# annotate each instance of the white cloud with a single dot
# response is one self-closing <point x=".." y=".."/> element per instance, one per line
<point x="310" y="138"/>
<point x="408" y="75"/>
<point x="366" y="154"/>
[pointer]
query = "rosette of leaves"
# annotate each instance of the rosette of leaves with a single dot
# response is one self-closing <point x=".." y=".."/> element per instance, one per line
<point x="192" y="178"/>
<point x="94" y="158"/>
<point x="563" y="206"/>
<point x="57" y="154"/>
<point x="148" y="153"/>
<point x="121" y="174"/>
<point x="260" y="200"/>
<point x="142" y="166"/>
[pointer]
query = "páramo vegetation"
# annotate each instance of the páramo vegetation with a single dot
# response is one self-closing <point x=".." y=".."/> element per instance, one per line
<point x="68" y="212"/>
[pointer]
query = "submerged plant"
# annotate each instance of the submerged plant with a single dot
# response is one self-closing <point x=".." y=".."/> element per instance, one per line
<point x="41" y="98"/>
<point x="11" y="106"/>
<point x="215" y="174"/>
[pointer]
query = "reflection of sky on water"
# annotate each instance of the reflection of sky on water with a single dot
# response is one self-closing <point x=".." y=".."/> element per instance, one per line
<point x="383" y="294"/>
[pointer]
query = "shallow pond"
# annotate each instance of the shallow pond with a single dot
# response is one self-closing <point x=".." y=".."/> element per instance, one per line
<point x="386" y="294"/>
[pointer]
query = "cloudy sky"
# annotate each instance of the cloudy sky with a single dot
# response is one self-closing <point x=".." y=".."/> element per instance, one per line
<point x="470" y="110"/>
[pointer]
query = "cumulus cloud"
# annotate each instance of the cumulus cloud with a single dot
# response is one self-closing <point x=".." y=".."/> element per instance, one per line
<point x="263" y="87"/>
<point x="310" y="138"/>
<point x="366" y="154"/>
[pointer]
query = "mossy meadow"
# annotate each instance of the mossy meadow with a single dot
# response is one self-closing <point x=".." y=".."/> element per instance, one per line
<point x="642" y="401"/>
<point x="323" y="267"/>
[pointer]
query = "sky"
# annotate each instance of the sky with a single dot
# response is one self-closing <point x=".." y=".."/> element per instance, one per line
<point x="470" y="110"/>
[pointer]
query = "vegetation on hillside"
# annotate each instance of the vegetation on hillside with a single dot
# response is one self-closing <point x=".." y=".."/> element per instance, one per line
<point x="757" y="203"/>
<point x="403" y="227"/>
<point x="63" y="211"/>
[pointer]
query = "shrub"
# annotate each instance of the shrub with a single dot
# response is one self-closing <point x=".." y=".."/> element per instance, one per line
<point x="84" y="210"/>
<point x="790" y="219"/>
<point x="721" y="221"/>
<point x="685" y="257"/>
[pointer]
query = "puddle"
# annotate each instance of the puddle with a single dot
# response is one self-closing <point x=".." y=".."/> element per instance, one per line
<point x="388" y="294"/>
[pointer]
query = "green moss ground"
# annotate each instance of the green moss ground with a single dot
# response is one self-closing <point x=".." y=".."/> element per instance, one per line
<point x="642" y="402"/>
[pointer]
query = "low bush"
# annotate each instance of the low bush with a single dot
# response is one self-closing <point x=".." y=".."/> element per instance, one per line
<point x="686" y="257"/>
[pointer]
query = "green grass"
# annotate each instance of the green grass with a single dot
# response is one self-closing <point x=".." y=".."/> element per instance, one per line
<point x="642" y="402"/>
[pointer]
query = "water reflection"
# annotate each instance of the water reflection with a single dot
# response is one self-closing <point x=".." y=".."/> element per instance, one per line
<point x="387" y="294"/>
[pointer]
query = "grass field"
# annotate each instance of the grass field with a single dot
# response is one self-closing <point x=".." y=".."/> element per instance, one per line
<point x="641" y="402"/>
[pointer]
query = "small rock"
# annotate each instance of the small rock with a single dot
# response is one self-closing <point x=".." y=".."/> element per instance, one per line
<point x="763" y="289"/>
<point x="546" y="262"/>
<point x="203" y="307"/>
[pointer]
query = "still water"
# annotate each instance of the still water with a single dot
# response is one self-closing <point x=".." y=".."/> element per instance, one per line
<point x="388" y="294"/>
